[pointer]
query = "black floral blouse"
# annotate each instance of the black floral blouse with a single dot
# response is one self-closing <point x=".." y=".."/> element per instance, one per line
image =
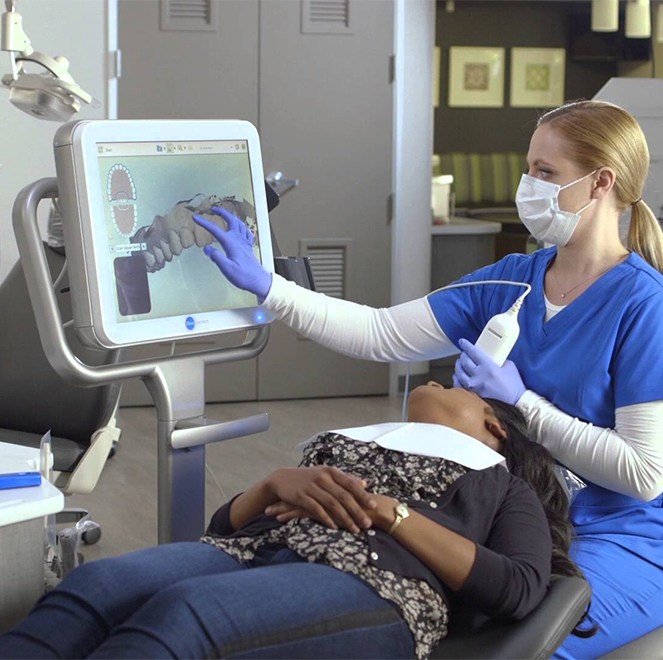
<point x="396" y="474"/>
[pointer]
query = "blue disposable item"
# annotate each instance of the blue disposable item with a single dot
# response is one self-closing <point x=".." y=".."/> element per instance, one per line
<point x="19" y="479"/>
<point x="477" y="372"/>
<point x="238" y="261"/>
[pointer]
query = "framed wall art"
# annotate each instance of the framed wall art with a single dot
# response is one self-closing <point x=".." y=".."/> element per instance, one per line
<point x="476" y="77"/>
<point x="537" y="77"/>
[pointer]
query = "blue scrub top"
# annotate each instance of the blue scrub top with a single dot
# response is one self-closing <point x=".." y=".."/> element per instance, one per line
<point x="601" y="352"/>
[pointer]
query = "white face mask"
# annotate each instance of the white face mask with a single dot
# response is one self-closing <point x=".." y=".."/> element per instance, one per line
<point x="538" y="207"/>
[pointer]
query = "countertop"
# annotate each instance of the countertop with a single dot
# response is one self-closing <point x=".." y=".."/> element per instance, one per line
<point x="19" y="504"/>
<point x="458" y="225"/>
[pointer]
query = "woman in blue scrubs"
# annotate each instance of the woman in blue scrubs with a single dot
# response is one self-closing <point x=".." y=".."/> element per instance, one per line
<point x="587" y="370"/>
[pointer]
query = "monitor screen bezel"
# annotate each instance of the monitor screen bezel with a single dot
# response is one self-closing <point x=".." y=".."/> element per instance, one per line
<point x="107" y="329"/>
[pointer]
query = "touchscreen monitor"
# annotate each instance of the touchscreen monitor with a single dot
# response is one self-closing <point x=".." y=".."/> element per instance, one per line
<point x="128" y="191"/>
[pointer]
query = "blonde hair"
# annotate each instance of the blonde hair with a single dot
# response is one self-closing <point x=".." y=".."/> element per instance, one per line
<point x="600" y="134"/>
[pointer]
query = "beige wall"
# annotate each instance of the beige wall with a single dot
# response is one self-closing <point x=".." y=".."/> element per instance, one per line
<point x="76" y="29"/>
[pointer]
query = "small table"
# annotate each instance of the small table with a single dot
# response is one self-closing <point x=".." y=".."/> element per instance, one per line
<point x="22" y="511"/>
<point x="459" y="226"/>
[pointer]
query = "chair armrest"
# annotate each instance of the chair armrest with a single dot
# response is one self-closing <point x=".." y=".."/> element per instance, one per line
<point x="535" y="636"/>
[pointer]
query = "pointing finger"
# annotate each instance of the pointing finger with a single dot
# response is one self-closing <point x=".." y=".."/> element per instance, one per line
<point x="213" y="229"/>
<point x="234" y="223"/>
<point x="477" y="355"/>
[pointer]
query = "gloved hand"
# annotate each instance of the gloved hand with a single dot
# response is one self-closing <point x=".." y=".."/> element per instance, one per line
<point x="175" y="231"/>
<point x="476" y="372"/>
<point x="239" y="264"/>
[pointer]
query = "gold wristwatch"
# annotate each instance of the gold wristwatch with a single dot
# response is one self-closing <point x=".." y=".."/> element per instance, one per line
<point x="402" y="512"/>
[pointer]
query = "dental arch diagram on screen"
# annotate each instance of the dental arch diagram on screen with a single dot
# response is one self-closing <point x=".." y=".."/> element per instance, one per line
<point x="122" y="197"/>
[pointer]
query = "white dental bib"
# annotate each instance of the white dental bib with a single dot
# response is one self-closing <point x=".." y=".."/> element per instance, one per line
<point x="427" y="440"/>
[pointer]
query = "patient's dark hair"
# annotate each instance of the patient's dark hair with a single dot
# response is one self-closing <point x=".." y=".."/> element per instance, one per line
<point x="535" y="465"/>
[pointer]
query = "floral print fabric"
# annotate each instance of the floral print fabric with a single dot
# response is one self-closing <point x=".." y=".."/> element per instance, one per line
<point x="397" y="474"/>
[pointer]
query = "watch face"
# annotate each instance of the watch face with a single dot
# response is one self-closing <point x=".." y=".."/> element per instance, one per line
<point x="402" y="510"/>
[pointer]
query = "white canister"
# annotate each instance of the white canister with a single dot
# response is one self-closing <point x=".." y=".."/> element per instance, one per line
<point x="440" y="198"/>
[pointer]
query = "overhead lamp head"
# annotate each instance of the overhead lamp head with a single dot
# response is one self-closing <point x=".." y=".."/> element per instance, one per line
<point x="52" y="94"/>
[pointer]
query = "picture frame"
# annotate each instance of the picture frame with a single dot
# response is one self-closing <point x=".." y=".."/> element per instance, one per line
<point x="476" y="77"/>
<point x="537" y="77"/>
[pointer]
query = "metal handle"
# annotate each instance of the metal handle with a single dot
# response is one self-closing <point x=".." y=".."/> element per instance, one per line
<point x="192" y="433"/>
<point x="279" y="184"/>
<point x="49" y="320"/>
<point x="176" y="383"/>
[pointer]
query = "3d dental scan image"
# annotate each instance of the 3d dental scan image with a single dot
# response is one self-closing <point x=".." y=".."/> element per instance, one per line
<point x="175" y="231"/>
<point x="149" y="207"/>
<point x="156" y="245"/>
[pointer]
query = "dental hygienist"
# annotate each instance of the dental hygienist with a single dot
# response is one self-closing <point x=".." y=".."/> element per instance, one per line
<point x="587" y="370"/>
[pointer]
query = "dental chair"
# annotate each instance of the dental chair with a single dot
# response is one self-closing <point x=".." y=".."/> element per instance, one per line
<point x="34" y="398"/>
<point x="535" y="636"/>
<point x="648" y="646"/>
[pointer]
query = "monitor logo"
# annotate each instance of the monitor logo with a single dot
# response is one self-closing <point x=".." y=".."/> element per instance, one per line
<point x="190" y="323"/>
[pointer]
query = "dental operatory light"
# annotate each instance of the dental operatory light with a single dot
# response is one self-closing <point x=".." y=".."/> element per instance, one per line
<point x="50" y="94"/>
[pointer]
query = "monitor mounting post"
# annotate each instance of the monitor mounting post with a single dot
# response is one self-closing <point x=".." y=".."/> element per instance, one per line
<point x="176" y="383"/>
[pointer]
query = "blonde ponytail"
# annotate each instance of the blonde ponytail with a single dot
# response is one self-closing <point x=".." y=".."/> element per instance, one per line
<point x="645" y="235"/>
<point x="600" y="134"/>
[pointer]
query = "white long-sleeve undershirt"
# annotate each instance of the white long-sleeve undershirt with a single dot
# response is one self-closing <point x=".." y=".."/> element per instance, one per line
<point x="627" y="459"/>
<point x="403" y="333"/>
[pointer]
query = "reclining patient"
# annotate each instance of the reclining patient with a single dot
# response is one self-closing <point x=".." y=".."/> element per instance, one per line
<point x="323" y="560"/>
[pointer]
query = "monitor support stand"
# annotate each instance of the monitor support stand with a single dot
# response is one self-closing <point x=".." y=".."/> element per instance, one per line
<point x="176" y="384"/>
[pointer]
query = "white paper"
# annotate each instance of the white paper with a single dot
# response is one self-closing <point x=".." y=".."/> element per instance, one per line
<point x="16" y="458"/>
<point x="428" y="440"/>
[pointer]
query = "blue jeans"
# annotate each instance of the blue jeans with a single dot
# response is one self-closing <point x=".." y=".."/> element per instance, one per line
<point x="190" y="600"/>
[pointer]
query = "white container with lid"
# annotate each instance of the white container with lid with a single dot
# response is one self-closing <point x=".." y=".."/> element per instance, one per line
<point x="441" y="190"/>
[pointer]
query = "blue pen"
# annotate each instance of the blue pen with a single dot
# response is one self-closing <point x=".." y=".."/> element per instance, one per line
<point x="19" y="479"/>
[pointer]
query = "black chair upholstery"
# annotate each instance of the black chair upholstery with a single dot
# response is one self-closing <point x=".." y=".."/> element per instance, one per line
<point x="648" y="646"/>
<point x="33" y="397"/>
<point x="535" y="636"/>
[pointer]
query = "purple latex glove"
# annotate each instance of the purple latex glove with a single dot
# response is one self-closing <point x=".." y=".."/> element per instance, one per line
<point x="239" y="264"/>
<point x="476" y="372"/>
